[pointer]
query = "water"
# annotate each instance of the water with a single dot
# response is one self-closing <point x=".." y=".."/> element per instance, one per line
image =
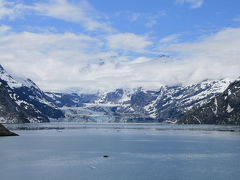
<point x="136" y="152"/>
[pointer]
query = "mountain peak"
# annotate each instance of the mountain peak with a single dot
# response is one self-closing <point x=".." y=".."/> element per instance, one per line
<point x="15" y="81"/>
<point x="8" y="78"/>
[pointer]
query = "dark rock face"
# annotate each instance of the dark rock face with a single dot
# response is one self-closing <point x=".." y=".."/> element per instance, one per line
<point x="142" y="98"/>
<point x="175" y="101"/>
<point x="5" y="132"/>
<point x="36" y="97"/>
<point x="115" y="96"/>
<point x="222" y="109"/>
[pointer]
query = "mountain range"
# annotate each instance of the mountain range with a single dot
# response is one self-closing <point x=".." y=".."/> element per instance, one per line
<point x="138" y="105"/>
<point x="22" y="101"/>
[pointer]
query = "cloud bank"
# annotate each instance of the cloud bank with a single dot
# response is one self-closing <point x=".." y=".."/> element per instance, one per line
<point x="111" y="59"/>
<point x="58" y="61"/>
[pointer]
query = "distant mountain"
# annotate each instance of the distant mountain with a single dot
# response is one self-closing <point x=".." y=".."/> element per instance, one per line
<point x="22" y="101"/>
<point x="222" y="109"/>
<point x="138" y="105"/>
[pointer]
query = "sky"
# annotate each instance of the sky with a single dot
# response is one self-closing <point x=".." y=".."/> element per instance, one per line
<point x="104" y="44"/>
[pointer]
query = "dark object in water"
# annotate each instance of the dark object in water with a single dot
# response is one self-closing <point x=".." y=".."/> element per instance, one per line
<point x="105" y="156"/>
<point x="5" y="132"/>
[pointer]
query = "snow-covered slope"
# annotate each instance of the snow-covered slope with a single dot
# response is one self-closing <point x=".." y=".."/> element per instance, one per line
<point x="175" y="101"/>
<point x="222" y="109"/>
<point x="26" y="98"/>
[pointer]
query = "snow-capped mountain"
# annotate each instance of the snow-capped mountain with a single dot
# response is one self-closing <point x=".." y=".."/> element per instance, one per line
<point x="139" y="105"/>
<point x="22" y="101"/>
<point x="222" y="109"/>
<point x="176" y="101"/>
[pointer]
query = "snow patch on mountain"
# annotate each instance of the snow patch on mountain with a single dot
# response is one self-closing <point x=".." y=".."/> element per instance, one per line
<point x="229" y="109"/>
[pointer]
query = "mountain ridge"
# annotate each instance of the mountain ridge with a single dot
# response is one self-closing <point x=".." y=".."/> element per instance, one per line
<point x="140" y="105"/>
<point x="21" y="101"/>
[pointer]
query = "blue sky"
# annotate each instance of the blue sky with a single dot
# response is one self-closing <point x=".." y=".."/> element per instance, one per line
<point x="110" y="44"/>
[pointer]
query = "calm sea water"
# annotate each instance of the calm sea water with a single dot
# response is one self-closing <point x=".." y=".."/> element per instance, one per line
<point x="136" y="152"/>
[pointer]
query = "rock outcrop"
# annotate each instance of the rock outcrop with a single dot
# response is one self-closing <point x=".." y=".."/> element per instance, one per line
<point x="5" y="132"/>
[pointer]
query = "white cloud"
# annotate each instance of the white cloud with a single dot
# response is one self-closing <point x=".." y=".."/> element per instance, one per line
<point x="52" y="60"/>
<point x="237" y="19"/>
<point x="4" y="29"/>
<point x="134" y="17"/>
<point x="128" y="42"/>
<point x="10" y="9"/>
<point x="148" y="19"/>
<point x="82" y="13"/>
<point x="194" y="3"/>
<point x="58" y="61"/>
<point x="170" y="39"/>
<point x="151" y="23"/>
<point x="61" y="60"/>
<point x="215" y="56"/>
<point x="224" y="42"/>
<point x="152" y="19"/>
